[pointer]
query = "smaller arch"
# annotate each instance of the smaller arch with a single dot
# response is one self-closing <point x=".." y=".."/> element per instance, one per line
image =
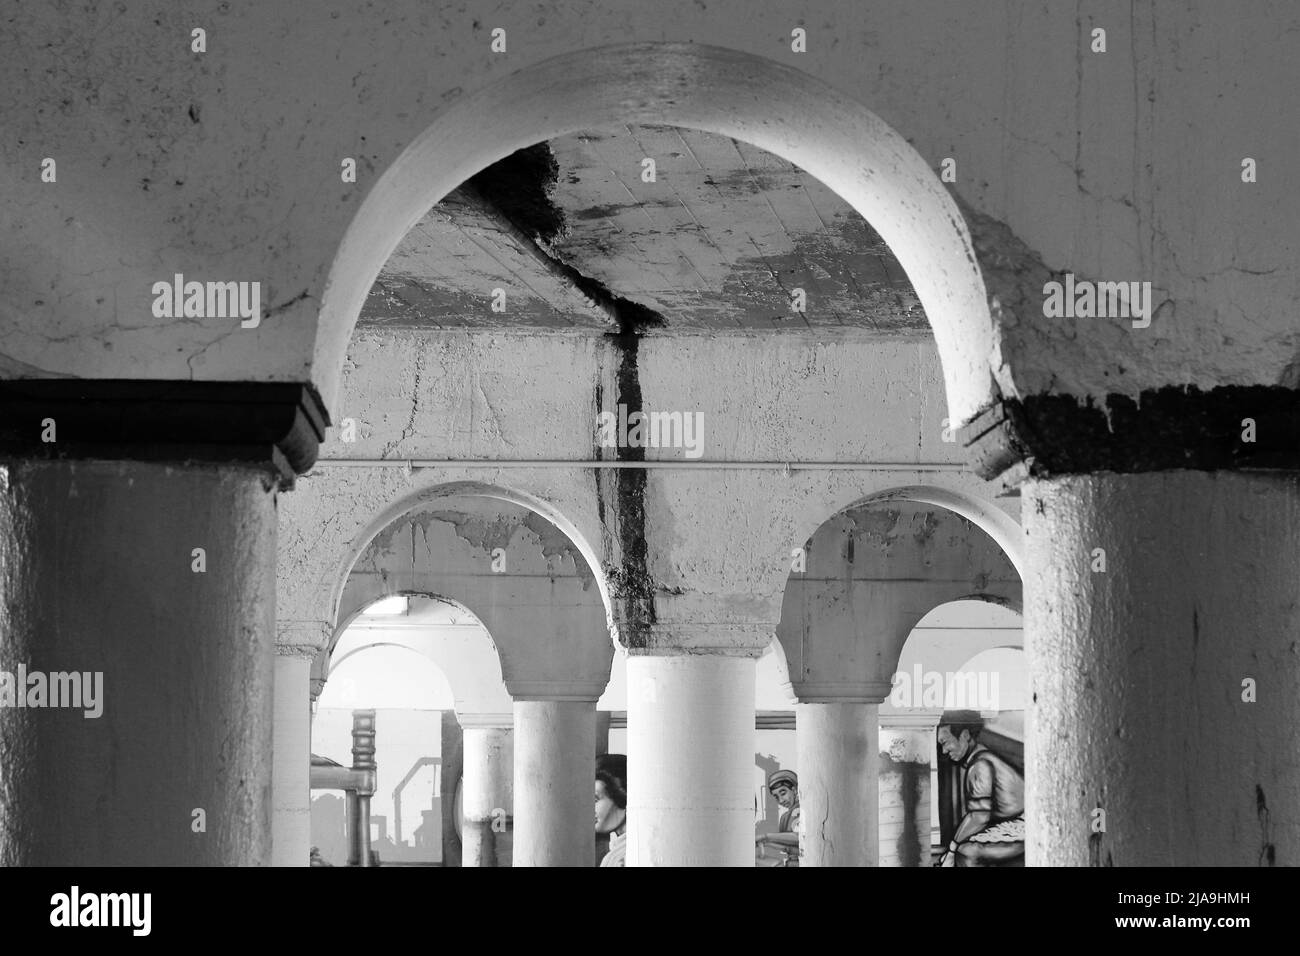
<point x="1011" y="602"/>
<point x="519" y="575"/>
<point x="985" y="515"/>
<point x="469" y="489"/>
<point x="1012" y="674"/>
<point x="474" y="674"/>
<point x="872" y="571"/>
<point x="395" y="692"/>
<point x="924" y="654"/>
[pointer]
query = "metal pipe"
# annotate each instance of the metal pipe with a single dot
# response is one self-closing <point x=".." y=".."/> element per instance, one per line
<point x="355" y="844"/>
<point x="342" y="778"/>
<point x="363" y="830"/>
<point x="363" y="761"/>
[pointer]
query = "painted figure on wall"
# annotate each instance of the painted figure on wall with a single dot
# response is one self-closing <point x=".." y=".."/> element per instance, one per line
<point x="989" y="787"/>
<point x="611" y="806"/>
<point x="784" y="786"/>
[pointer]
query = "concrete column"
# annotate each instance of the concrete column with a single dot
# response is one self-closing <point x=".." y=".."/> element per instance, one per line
<point x="1161" y="622"/>
<point x="554" y="774"/>
<point x="602" y="732"/>
<point x="487" y="793"/>
<point x="101" y="575"/>
<point x="838" y="782"/>
<point x="317" y="678"/>
<point x="453" y="747"/>
<point x="291" y="770"/>
<point x="690" y="741"/>
<point x="906" y="755"/>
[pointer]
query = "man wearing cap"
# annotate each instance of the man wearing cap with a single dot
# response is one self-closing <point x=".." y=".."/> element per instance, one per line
<point x="784" y="785"/>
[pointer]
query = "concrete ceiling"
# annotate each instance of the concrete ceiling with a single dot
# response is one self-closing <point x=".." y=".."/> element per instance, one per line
<point x="573" y="234"/>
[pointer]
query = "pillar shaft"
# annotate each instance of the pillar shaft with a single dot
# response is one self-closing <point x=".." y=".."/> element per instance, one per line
<point x="838" y="774"/>
<point x="291" y="773"/>
<point x="906" y="752"/>
<point x="452" y="770"/>
<point x="99" y="576"/>
<point x="553" y="780"/>
<point x="1142" y="673"/>
<point x="487" y="796"/>
<point x="690" y="731"/>
<point x="602" y="732"/>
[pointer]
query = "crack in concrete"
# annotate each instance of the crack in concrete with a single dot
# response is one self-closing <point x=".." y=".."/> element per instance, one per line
<point x="518" y="194"/>
<point x="409" y="428"/>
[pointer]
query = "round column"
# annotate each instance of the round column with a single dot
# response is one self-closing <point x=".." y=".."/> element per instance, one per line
<point x="487" y="793"/>
<point x="297" y="643"/>
<point x="151" y="589"/>
<point x="838" y="781"/>
<point x="1161" y="622"/>
<point x="690" y="734"/>
<point x="553" y="781"/>
<point x="906" y="752"/>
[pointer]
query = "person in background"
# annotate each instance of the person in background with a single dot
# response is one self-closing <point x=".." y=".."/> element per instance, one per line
<point x="991" y="828"/>
<point x="611" y="806"/>
<point x="784" y="786"/>
<point x="317" y="859"/>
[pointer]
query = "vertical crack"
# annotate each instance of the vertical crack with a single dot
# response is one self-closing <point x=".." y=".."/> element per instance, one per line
<point x="626" y="487"/>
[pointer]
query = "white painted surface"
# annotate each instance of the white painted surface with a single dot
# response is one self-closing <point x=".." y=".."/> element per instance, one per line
<point x="838" y="783"/>
<point x="488" y="795"/>
<point x="690" y="746"/>
<point x="553" y="768"/>
<point x="291" y="763"/>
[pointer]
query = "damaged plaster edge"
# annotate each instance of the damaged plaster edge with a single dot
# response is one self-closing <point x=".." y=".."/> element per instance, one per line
<point x="1175" y="427"/>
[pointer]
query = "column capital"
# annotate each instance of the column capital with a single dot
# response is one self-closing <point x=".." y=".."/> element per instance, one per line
<point x="302" y="638"/>
<point x="668" y="638"/>
<point x="275" y="425"/>
<point x="841" y="692"/>
<point x="911" y="720"/>
<point x="486" y="721"/>
<point x="525" y="690"/>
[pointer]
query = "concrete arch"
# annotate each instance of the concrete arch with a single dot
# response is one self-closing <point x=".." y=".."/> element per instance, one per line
<point x="548" y="624"/>
<point x="335" y="664"/>
<point x="847" y="613"/>
<point x="985" y="515"/>
<point x="438" y="683"/>
<point x="760" y="101"/>
<point x="1014" y="603"/>
<point x="944" y="655"/>
<point x="423" y="496"/>
<point x="471" y="664"/>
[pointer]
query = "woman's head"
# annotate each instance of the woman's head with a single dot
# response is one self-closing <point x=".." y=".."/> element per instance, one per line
<point x="611" y="792"/>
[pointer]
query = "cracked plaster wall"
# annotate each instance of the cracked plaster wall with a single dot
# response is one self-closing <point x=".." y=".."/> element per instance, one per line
<point x="225" y="165"/>
<point x="719" y="542"/>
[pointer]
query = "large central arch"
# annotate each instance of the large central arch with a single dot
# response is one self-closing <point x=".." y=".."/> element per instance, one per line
<point x="716" y="90"/>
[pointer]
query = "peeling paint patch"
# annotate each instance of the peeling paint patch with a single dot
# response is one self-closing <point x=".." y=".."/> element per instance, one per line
<point x="1174" y="427"/>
